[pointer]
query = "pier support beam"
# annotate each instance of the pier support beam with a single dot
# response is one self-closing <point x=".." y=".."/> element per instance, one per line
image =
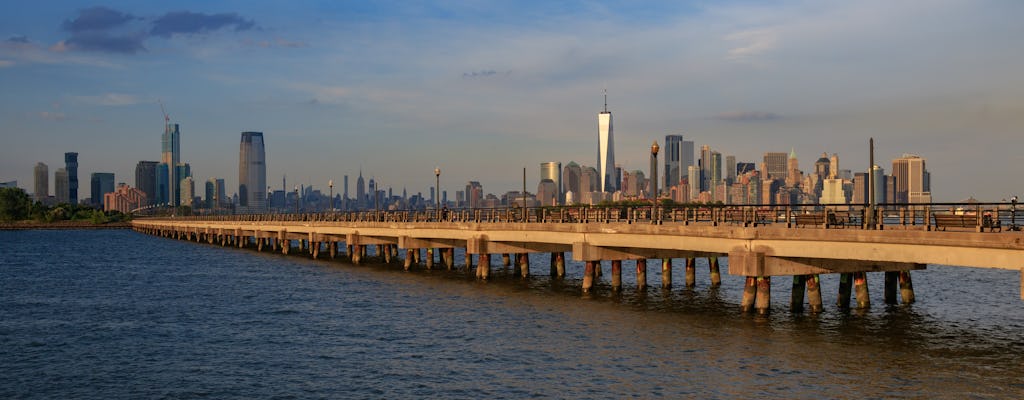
<point x="588" y="276"/>
<point x="560" y="264"/>
<point x="796" y="298"/>
<point x="860" y="285"/>
<point x="691" y="272"/>
<point x="551" y="265"/>
<point x="814" y="293"/>
<point x="430" y="258"/>
<point x="357" y="255"/>
<point x="749" y="293"/>
<point x="666" y="273"/>
<point x="845" y="284"/>
<point x="506" y="259"/>
<point x="409" y="257"/>
<point x="449" y="260"/>
<point x="891" y="280"/>
<point x="716" y="273"/>
<point x="763" y="302"/>
<point x="641" y="274"/>
<point x="616" y="275"/>
<point x="907" y="287"/>
<point x="524" y="264"/>
<point x="483" y="267"/>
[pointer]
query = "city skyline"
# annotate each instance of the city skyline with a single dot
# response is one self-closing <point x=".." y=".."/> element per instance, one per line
<point x="744" y="79"/>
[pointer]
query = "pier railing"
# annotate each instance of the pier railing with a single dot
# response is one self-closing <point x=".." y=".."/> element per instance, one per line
<point x="931" y="216"/>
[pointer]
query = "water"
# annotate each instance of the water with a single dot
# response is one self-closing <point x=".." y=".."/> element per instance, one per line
<point x="117" y="314"/>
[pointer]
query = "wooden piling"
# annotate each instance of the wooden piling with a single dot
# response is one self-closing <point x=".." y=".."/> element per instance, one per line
<point x="616" y="275"/>
<point x="484" y="266"/>
<point x="907" y="288"/>
<point x="691" y="272"/>
<point x="666" y="273"/>
<point x="762" y="302"/>
<point x="430" y="258"/>
<point x="845" y="284"/>
<point x="409" y="258"/>
<point x="796" y="298"/>
<point x="814" y="293"/>
<point x="641" y="274"/>
<point x="749" y="293"/>
<point x="860" y="285"/>
<point x="506" y="259"/>
<point x="716" y="273"/>
<point x="560" y="264"/>
<point x="588" y="276"/>
<point x="524" y="264"/>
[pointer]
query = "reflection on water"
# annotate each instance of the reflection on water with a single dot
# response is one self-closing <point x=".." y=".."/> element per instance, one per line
<point x="119" y="314"/>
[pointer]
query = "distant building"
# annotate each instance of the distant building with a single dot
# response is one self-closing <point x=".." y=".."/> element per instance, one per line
<point x="170" y="156"/>
<point x="572" y="176"/>
<point x="71" y="167"/>
<point x="124" y="199"/>
<point x="913" y="181"/>
<point x="42" y="182"/>
<point x="101" y="183"/>
<point x="775" y="165"/>
<point x="9" y="184"/>
<point x="730" y="169"/>
<point x="252" y="173"/>
<point x="552" y="170"/>
<point x="673" y="152"/>
<point x="606" y="150"/>
<point x="188" y="192"/>
<point x="547" y="194"/>
<point x="60" y="185"/>
<point x="145" y="179"/>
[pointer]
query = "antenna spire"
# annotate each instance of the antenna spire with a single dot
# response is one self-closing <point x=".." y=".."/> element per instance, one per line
<point x="605" y="99"/>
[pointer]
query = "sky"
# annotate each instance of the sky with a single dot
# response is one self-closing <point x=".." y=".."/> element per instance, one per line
<point x="483" y="89"/>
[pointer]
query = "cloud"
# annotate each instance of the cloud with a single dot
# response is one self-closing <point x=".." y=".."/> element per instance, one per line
<point x="96" y="19"/>
<point x="484" y="74"/>
<point x="279" y="42"/>
<point x="18" y="39"/>
<point x="53" y="115"/>
<point x="187" y="23"/>
<point x="747" y="116"/>
<point x="111" y="99"/>
<point x="6" y="63"/>
<point x="754" y="42"/>
<point x="102" y="42"/>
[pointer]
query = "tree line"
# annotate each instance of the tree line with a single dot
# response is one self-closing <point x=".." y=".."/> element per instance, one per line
<point x="16" y="205"/>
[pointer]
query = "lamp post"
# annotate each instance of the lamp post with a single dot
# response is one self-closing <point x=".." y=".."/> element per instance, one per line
<point x="654" y="180"/>
<point x="437" y="187"/>
<point x="296" y="199"/>
<point x="330" y="184"/>
<point x="1013" y="214"/>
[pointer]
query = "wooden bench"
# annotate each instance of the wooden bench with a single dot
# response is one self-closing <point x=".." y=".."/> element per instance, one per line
<point x="814" y="219"/>
<point x="965" y="221"/>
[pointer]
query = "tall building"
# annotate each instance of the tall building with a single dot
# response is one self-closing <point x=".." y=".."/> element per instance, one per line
<point x="705" y="168"/>
<point x="553" y="170"/>
<point x="672" y="152"/>
<point x="170" y="156"/>
<point x="252" y="173"/>
<point x="188" y="192"/>
<point x="42" y="182"/>
<point x="547" y="192"/>
<point x="124" y="199"/>
<point x="606" y="149"/>
<point x="60" y="185"/>
<point x="793" y="177"/>
<point x="730" y="169"/>
<point x="572" y="175"/>
<point x="210" y="199"/>
<point x="912" y="180"/>
<point x="101" y="183"/>
<point x="145" y="179"/>
<point x="360" y="191"/>
<point x="693" y="179"/>
<point x="71" y="167"/>
<point x="775" y="165"/>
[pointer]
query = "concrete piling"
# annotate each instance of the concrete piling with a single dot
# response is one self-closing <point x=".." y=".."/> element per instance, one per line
<point x="316" y="250"/>
<point x="749" y="293"/>
<point x="814" y="293"/>
<point x="616" y="275"/>
<point x="666" y="273"/>
<point x="860" y="285"/>
<point x="762" y="302"/>
<point x="484" y="266"/>
<point x="553" y="270"/>
<point x="588" y="276"/>
<point x="641" y="274"/>
<point x="357" y="255"/>
<point x="796" y="298"/>
<point x="449" y="261"/>
<point x="430" y="258"/>
<point x="891" y="280"/>
<point x="506" y="259"/>
<point x="907" y="287"/>
<point x="332" y="247"/>
<point x="560" y="264"/>
<point x="691" y="272"/>
<point x="845" y="284"/>
<point x="716" y="273"/>
<point x="409" y="258"/>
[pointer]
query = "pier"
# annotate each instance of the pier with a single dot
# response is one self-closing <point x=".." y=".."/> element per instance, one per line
<point x="760" y="244"/>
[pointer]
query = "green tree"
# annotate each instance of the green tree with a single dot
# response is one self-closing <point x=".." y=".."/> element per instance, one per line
<point x="14" y="204"/>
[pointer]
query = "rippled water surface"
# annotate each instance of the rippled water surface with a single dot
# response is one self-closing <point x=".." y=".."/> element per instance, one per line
<point x="118" y="314"/>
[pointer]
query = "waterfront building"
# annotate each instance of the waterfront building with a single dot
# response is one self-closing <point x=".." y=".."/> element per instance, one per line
<point x="146" y="178"/>
<point x="170" y="156"/>
<point x="252" y="173"/>
<point x="606" y="150"/>
<point x="705" y="168"/>
<point x="101" y="183"/>
<point x="71" y="167"/>
<point x="552" y="170"/>
<point x="124" y="199"/>
<point x="693" y="180"/>
<point x="188" y="191"/>
<point x="730" y="169"/>
<point x="42" y="182"/>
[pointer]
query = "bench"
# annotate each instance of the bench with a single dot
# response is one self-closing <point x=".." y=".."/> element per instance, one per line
<point x="815" y="219"/>
<point x="965" y="221"/>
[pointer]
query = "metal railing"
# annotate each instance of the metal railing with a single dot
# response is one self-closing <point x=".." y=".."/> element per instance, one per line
<point x="978" y="216"/>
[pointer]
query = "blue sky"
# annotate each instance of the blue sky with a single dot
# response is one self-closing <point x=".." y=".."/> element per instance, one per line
<point x="483" y="89"/>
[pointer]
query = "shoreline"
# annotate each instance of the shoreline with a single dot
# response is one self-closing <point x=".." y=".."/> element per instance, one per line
<point x="25" y="225"/>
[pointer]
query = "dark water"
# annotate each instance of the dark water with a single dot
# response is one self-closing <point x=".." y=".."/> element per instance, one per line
<point x="117" y="314"/>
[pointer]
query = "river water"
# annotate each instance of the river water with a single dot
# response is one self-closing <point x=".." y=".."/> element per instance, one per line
<point x="118" y="314"/>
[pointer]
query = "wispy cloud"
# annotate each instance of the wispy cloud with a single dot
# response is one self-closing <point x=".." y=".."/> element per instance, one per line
<point x="53" y="115"/>
<point x="278" y="42"/>
<point x="486" y="73"/>
<point x="111" y="99"/>
<point x="747" y="116"/>
<point x="96" y="18"/>
<point x="752" y="43"/>
<point x="188" y="23"/>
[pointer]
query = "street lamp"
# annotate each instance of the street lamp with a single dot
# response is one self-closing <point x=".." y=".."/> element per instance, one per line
<point x="1013" y="214"/>
<point x="296" y="199"/>
<point x="330" y="184"/>
<point x="654" y="180"/>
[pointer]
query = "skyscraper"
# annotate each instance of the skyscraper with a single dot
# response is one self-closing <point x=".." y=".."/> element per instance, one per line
<point x="101" y="183"/>
<point x="572" y="174"/>
<point x="211" y="193"/>
<point x="42" y="182"/>
<point x="60" y="185"/>
<point x="71" y="168"/>
<point x="145" y="180"/>
<point x="913" y="181"/>
<point x="705" y="168"/>
<point x="730" y="169"/>
<point x="672" y="152"/>
<point x="360" y="191"/>
<point x="170" y="156"/>
<point x="775" y="165"/>
<point x="553" y="170"/>
<point x="220" y="194"/>
<point x="252" y="173"/>
<point x="606" y="149"/>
